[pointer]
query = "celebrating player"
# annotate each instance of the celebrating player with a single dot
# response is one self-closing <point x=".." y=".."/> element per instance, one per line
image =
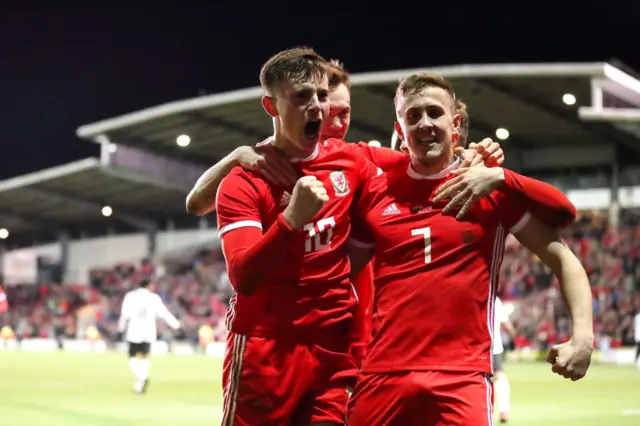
<point x="286" y="252"/>
<point x="140" y="308"/>
<point x="430" y="359"/>
<point x="545" y="201"/>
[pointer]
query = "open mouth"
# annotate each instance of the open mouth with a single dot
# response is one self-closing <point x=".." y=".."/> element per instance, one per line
<point x="312" y="129"/>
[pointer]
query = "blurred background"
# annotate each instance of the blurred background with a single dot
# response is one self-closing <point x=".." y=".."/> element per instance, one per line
<point x="110" y="114"/>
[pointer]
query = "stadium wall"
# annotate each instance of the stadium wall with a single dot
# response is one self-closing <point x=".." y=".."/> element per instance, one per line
<point x="20" y="266"/>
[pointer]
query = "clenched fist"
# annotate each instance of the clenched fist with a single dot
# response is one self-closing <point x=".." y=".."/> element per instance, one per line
<point x="571" y="359"/>
<point x="309" y="195"/>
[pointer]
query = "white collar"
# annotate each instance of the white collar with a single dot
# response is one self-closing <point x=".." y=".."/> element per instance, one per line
<point x="440" y="175"/>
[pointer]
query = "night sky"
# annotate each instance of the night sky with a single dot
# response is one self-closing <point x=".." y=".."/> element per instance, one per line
<point x="66" y="64"/>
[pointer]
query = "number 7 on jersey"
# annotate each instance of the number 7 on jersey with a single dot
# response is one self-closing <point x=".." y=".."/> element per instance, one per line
<point x="425" y="233"/>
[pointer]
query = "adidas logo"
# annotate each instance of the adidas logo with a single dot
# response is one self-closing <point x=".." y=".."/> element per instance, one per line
<point x="391" y="209"/>
<point x="286" y="197"/>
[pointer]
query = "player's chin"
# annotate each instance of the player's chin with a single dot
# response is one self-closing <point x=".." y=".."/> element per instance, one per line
<point x="427" y="151"/>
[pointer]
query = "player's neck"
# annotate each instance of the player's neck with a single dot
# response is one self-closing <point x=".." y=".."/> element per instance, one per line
<point x="437" y="167"/>
<point x="289" y="149"/>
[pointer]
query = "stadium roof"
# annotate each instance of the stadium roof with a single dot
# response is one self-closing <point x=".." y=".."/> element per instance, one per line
<point x="527" y="99"/>
<point x="71" y="196"/>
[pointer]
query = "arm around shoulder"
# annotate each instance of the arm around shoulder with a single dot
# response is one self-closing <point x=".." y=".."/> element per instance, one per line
<point x="201" y="199"/>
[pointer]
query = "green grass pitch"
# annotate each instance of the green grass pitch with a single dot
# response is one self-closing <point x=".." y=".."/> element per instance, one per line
<point x="71" y="389"/>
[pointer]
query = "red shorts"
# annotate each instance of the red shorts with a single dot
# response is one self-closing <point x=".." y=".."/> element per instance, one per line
<point x="421" y="398"/>
<point x="280" y="382"/>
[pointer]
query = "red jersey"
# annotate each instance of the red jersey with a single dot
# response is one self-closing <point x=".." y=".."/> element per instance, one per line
<point x="306" y="285"/>
<point x="384" y="158"/>
<point x="435" y="277"/>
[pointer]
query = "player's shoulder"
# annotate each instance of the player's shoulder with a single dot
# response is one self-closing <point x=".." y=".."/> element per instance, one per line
<point x="240" y="174"/>
<point x="334" y="143"/>
<point x="397" y="176"/>
<point x="385" y="184"/>
<point x="334" y="146"/>
<point x="241" y="180"/>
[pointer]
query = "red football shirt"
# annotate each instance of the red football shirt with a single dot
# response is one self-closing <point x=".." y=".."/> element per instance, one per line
<point x="311" y="288"/>
<point x="435" y="277"/>
<point x="384" y="158"/>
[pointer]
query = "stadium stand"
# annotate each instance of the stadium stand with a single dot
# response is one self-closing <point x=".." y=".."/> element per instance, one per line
<point x="150" y="158"/>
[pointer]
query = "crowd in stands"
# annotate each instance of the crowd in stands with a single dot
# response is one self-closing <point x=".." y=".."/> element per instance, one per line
<point x="196" y="289"/>
<point x="611" y="258"/>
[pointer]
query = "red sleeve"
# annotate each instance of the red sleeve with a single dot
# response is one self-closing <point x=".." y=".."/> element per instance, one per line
<point x="384" y="158"/>
<point x="510" y="210"/>
<point x="365" y="168"/>
<point x="249" y="253"/>
<point x="547" y="203"/>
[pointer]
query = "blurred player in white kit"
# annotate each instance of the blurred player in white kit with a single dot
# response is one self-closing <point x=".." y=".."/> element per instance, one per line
<point x="501" y="384"/>
<point x="140" y="308"/>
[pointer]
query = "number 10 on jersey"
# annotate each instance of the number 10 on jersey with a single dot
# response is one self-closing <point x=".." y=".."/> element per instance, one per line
<point x="425" y="233"/>
<point x="315" y="231"/>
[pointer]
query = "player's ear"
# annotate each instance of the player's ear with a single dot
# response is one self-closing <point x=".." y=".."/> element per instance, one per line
<point x="269" y="105"/>
<point x="399" y="130"/>
<point x="455" y="134"/>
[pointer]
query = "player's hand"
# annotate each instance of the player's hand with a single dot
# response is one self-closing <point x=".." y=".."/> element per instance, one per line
<point x="308" y="197"/>
<point x="470" y="185"/>
<point x="571" y="359"/>
<point x="487" y="152"/>
<point x="267" y="161"/>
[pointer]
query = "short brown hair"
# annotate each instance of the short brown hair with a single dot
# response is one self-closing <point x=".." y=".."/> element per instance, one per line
<point x="461" y="108"/>
<point x="338" y="75"/>
<point x="295" y="65"/>
<point x="418" y="82"/>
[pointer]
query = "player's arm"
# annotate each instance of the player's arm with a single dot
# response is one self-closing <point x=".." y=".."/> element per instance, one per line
<point x="382" y="157"/>
<point x="124" y="313"/>
<point x="508" y="325"/>
<point x="545" y="202"/>
<point x="262" y="158"/>
<point x="163" y="313"/>
<point x="251" y="255"/>
<point x="572" y="358"/>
